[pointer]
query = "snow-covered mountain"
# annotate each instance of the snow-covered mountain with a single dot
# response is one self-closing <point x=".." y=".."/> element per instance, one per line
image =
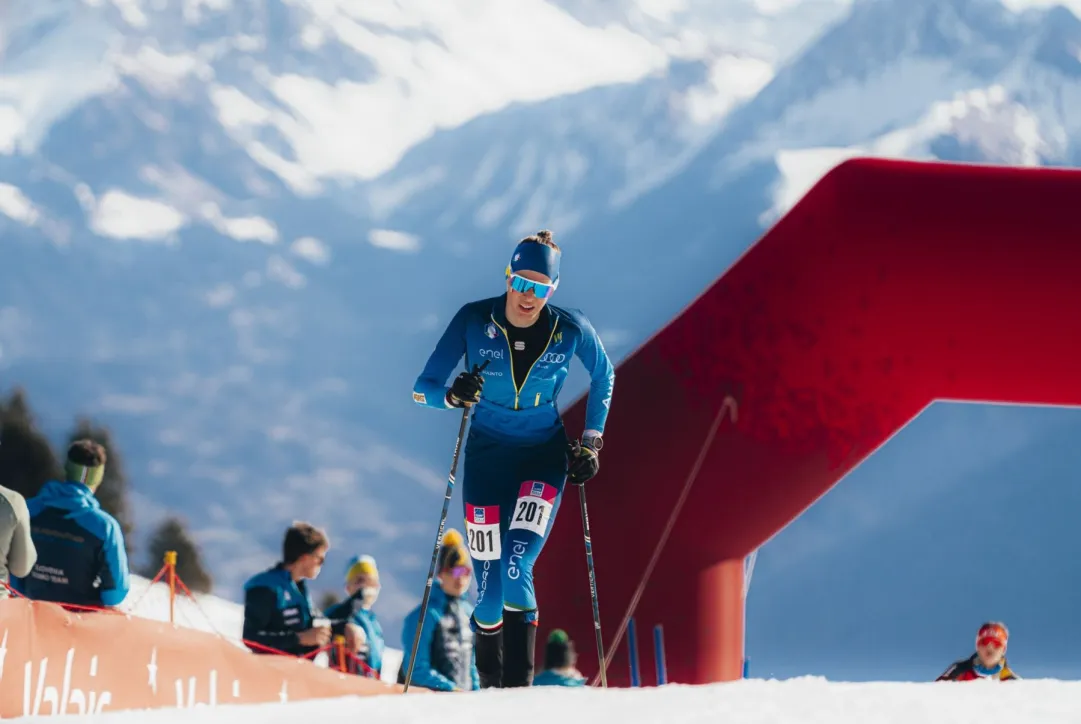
<point x="212" y="179"/>
<point x="233" y="228"/>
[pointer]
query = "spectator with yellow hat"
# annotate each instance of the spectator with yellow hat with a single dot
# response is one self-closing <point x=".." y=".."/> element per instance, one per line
<point x="366" y="641"/>
<point x="445" y="657"/>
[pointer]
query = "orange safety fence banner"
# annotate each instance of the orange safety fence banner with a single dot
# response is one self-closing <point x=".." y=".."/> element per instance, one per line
<point x="53" y="662"/>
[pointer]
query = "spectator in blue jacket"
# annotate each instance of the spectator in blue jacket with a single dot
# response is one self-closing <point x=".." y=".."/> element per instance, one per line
<point x="445" y="656"/>
<point x="278" y="609"/>
<point x="81" y="556"/>
<point x="366" y="641"/>
<point x="560" y="662"/>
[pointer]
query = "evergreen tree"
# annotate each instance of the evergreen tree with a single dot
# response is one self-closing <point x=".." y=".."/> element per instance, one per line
<point x="113" y="491"/>
<point x="172" y="535"/>
<point x="27" y="460"/>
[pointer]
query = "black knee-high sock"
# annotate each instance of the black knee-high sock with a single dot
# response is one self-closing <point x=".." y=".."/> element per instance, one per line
<point x="489" y="648"/>
<point x="519" y="640"/>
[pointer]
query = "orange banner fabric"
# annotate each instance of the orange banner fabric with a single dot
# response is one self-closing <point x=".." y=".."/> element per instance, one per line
<point x="53" y="662"/>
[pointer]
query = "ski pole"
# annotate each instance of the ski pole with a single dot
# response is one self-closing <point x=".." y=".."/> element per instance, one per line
<point x="439" y="538"/>
<point x="593" y="586"/>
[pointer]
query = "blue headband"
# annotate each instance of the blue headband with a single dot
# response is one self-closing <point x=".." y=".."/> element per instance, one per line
<point x="540" y="258"/>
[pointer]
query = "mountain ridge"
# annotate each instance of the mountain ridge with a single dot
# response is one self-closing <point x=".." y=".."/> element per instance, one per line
<point x="257" y="339"/>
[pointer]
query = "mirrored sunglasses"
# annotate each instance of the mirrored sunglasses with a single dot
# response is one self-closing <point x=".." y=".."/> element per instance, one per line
<point x="522" y="285"/>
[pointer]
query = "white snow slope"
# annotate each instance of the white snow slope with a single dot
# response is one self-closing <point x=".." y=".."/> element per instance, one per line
<point x="796" y="701"/>
<point x="807" y="700"/>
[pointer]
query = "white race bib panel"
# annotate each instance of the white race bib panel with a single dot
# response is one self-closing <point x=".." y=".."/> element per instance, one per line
<point x="482" y="526"/>
<point x="534" y="507"/>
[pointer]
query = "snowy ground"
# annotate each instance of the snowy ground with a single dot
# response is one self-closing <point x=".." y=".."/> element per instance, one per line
<point x="796" y="701"/>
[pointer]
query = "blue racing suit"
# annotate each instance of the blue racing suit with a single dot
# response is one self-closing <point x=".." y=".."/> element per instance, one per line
<point x="515" y="462"/>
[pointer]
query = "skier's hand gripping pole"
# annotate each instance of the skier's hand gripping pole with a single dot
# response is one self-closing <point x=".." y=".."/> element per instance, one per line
<point x="439" y="536"/>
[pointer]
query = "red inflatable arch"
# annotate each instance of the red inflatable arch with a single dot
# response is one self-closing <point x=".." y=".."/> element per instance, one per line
<point x="890" y="285"/>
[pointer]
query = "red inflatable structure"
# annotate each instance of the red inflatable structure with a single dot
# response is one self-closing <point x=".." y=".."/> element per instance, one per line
<point x="890" y="285"/>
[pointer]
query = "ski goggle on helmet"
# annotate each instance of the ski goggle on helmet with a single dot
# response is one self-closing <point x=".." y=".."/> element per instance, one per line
<point x="540" y="258"/>
<point x="992" y="634"/>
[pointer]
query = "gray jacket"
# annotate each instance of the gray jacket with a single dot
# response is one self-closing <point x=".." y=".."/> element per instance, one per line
<point x="17" y="552"/>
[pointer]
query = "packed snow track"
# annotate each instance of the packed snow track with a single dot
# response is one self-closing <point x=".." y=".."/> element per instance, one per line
<point x="795" y="701"/>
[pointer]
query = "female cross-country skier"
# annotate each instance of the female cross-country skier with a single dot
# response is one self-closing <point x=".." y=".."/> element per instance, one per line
<point x="517" y="454"/>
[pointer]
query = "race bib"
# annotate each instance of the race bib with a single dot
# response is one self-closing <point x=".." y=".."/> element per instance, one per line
<point x="482" y="526"/>
<point x="534" y="507"/>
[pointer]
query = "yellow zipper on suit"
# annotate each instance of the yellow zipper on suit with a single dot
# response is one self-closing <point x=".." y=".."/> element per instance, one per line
<point x="510" y="352"/>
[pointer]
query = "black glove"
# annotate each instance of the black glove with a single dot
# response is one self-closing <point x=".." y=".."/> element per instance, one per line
<point x="466" y="389"/>
<point x="584" y="461"/>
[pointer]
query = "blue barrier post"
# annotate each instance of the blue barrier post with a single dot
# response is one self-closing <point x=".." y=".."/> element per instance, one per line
<point x="632" y="645"/>
<point x="658" y="655"/>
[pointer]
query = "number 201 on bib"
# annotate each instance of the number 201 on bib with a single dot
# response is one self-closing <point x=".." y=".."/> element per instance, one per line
<point x="482" y="527"/>
<point x="533" y="509"/>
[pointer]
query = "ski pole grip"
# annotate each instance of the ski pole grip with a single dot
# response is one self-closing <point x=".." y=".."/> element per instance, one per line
<point x="481" y="368"/>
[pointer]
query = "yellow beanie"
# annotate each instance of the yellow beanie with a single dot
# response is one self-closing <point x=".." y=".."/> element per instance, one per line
<point x="453" y="553"/>
<point x="360" y="565"/>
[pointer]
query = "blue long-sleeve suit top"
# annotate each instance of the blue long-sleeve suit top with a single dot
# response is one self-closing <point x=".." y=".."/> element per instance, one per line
<point x="478" y="332"/>
<point x="81" y="555"/>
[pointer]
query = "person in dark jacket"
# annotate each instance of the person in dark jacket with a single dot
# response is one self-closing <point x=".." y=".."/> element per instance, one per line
<point x="445" y="657"/>
<point x="560" y="661"/>
<point x="365" y="641"/>
<point x="989" y="661"/>
<point x="81" y="558"/>
<point x="278" y="609"/>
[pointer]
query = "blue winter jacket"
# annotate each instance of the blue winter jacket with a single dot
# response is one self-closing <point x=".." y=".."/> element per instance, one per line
<point x="445" y="657"/>
<point x="548" y="677"/>
<point x="351" y="611"/>
<point x="276" y="609"/>
<point x="526" y="415"/>
<point x="81" y="555"/>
